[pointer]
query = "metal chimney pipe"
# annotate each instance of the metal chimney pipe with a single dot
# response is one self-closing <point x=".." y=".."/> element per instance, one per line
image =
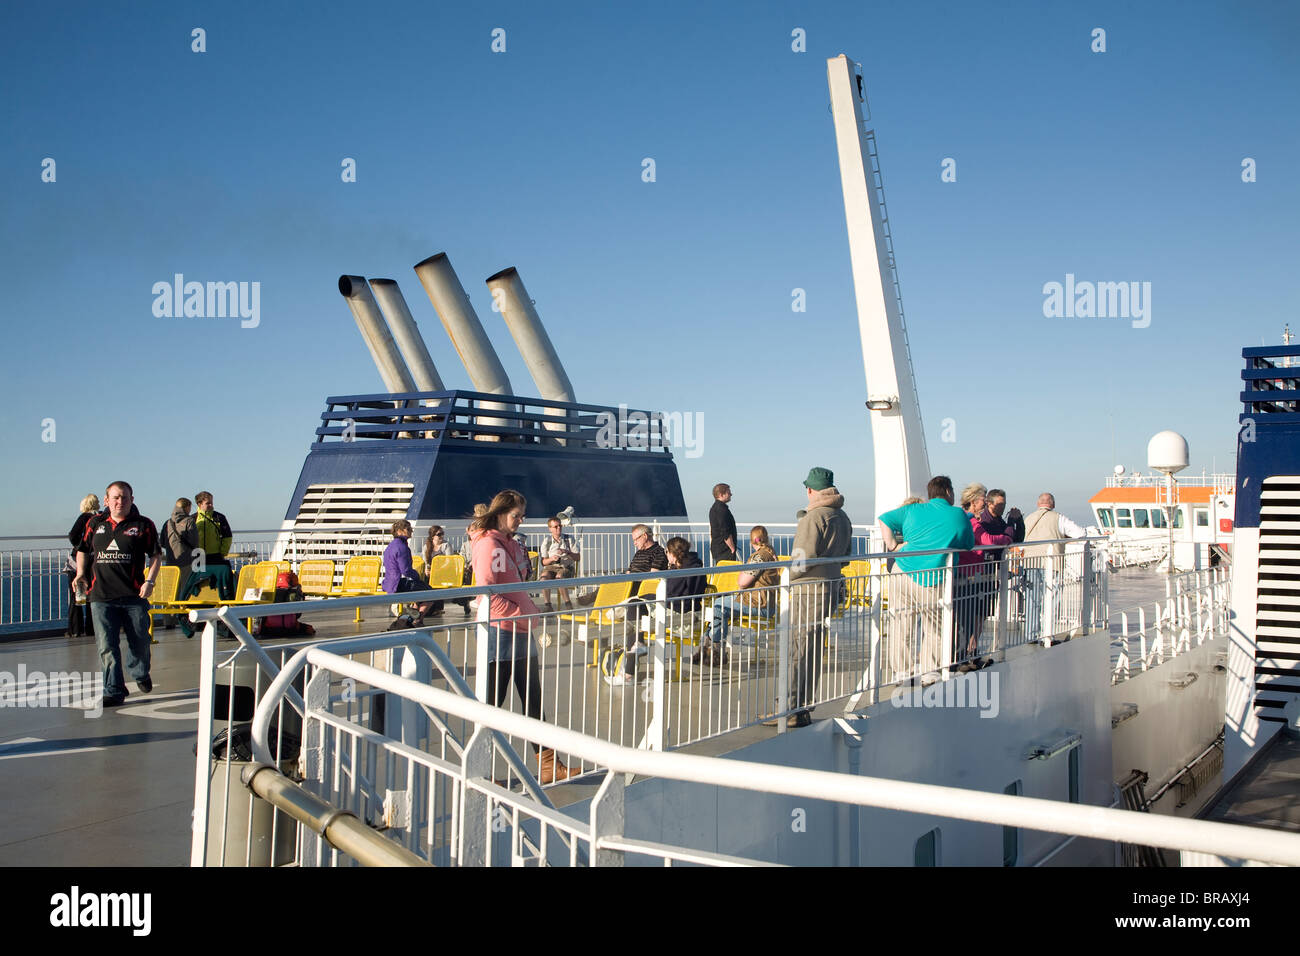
<point x="407" y="335"/>
<point x="467" y="335"/>
<point x="462" y="325"/>
<point x="516" y="307"/>
<point x="530" y="335"/>
<point x="397" y="378"/>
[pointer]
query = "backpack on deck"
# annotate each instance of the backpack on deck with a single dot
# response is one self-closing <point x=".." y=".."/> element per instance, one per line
<point x="287" y="588"/>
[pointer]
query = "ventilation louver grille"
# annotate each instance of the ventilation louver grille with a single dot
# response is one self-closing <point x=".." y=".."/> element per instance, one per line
<point x="366" y="511"/>
<point x="1277" y="620"/>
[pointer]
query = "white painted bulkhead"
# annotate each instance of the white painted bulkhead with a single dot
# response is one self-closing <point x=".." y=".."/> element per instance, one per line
<point x="1177" y="718"/>
<point x="1043" y="697"/>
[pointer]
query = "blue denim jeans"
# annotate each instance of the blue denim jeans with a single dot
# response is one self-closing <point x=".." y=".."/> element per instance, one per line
<point x="724" y="608"/>
<point x="123" y="614"/>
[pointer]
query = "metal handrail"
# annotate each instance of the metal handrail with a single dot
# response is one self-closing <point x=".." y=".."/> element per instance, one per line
<point x="339" y="828"/>
<point x="1033" y="813"/>
<point x="204" y="615"/>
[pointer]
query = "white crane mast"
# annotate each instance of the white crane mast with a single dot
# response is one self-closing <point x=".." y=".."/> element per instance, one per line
<point x="902" y="466"/>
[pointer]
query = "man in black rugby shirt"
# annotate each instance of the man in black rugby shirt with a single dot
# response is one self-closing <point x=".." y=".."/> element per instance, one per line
<point x="649" y="555"/>
<point x="111" y="563"/>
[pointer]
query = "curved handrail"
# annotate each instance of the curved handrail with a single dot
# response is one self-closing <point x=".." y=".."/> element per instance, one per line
<point x="1224" y="839"/>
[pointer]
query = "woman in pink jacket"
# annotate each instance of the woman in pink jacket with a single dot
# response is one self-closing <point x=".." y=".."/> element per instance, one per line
<point x="500" y="559"/>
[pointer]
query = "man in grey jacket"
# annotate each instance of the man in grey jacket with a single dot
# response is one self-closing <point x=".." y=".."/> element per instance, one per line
<point x="179" y="541"/>
<point x="824" y="532"/>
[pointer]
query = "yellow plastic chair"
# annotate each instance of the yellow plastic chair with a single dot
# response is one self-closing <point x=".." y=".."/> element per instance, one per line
<point x="360" y="576"/>
<point x="724" y="582"/>
<point x="265" y="574"/>
<point x="857" y="575"/>
<point x="607" y="596"/>
<point x="247" y="580"/>
<point x="417" y="564"/>
<point x="446" y="571"/>
<point x="164" y="594"/>
<point x="316" y="577"/>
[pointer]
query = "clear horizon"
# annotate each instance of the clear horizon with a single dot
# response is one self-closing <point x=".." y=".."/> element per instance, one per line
<point x="1160" y="161"/>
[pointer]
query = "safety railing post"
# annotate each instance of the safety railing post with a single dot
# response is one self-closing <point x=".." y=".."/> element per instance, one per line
<point x="316" y="700"/>
<point x="657" y="732"/>
<point x="608" y="819"/>
<point x="1085" y="591"/>
<point x="1004" y="601"/>
<point x="876" y="583"/>
<point x="482" y="631"/>
<point x="474" y="826"/>
<point x="781" y="692"/>
<point x="947" y="628"/>
<point x="200" y="819"/>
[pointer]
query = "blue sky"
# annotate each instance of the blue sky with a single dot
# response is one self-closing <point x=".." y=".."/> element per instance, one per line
<point x="676" y="294"/>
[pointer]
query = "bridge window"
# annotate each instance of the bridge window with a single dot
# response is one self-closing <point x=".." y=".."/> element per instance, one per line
<point x="1107" y="517"/>
<point x="1178" y="517"/>
<point x="1157" y="518"/>
<point x="1202" y="517"/>
<point x="1140" y="518"/>
<point x="927" y="849"/>
<point x="1011" y="835"/>
<point x="1123" y="518"/>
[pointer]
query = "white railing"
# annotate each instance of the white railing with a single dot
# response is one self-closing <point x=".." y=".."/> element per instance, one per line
<point x="812" y="642"/>
<point x="1195" y="610"/>
<point x="34" y="589"/>
<point x="483" y="823"/>
<point x="1221" y="483"/>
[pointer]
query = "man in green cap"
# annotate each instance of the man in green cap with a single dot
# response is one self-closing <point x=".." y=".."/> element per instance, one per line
<point x="824" y="532"/>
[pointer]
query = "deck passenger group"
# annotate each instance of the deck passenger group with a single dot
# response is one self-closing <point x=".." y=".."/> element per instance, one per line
<point x="117" y="553"/>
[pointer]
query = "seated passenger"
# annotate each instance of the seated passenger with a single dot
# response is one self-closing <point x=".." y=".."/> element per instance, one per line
<point x="684" y="596"/>
<point x="649" y="556"/>
<point x="557" y="558"/>
<point x="758" y="595"/>
<point x="400" y="576"/>
<point x="435" y="546"/>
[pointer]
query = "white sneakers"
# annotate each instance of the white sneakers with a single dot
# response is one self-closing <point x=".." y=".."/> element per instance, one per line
<point x="621" y="679"/>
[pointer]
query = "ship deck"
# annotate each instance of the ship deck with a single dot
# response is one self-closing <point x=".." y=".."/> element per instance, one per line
<point x="119" y="790"/>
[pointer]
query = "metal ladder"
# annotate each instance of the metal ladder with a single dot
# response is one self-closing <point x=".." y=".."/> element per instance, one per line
<point x="878" y="185"/>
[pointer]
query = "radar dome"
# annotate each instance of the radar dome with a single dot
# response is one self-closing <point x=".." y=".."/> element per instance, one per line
<point x="1167" y="452"/>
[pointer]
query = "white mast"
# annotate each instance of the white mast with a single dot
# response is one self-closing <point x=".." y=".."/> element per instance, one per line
<point x="902" y="466"/>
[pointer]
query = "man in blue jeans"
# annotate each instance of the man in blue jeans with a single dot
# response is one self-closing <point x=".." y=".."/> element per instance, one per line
<point x="111" y="563"/>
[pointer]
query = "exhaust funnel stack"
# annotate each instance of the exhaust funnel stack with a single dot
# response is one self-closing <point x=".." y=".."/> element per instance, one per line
<point x="467" y="335"/>
<point x="392" y="369"/>
<point x="530" y="335"/>
<point x="462" y="325"/>
<point x="534" y="344"/>
<point x="407" y="335"/>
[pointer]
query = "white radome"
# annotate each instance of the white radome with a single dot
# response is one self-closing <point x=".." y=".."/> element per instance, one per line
<point x="1167" y="452"/>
